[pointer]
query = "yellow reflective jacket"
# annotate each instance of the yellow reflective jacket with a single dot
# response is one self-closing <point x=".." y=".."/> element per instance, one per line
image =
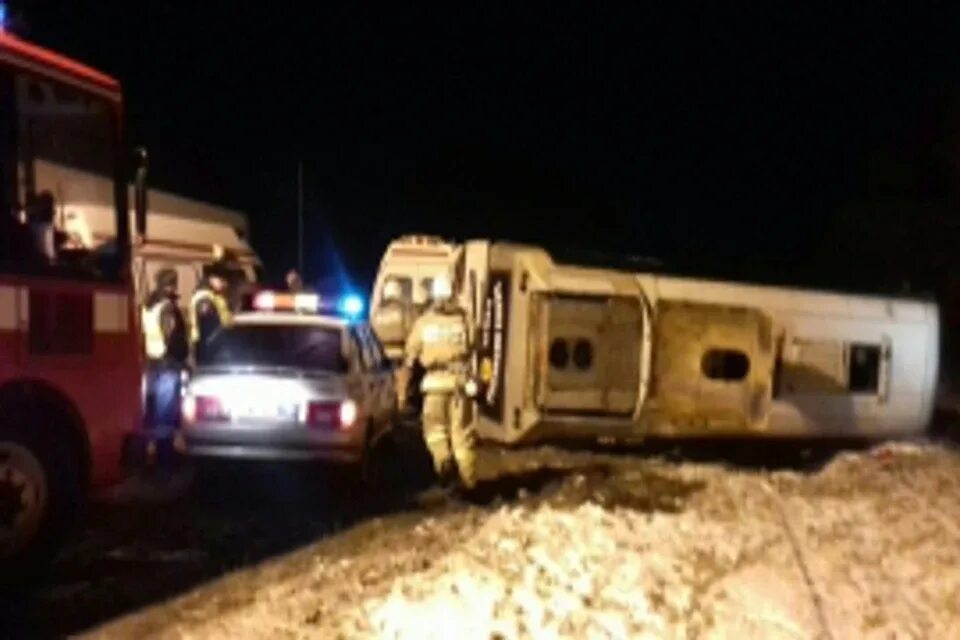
<point x="219" y="303"/>
<point x="440" y="340"/>
<point x="154" y="341"/>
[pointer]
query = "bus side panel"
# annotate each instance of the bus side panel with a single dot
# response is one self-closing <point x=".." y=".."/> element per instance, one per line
<point x="713" y="369"/>
<point x="843" y="377"/>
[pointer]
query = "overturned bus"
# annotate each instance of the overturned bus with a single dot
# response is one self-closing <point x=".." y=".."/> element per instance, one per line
<point x="572" y="352"/>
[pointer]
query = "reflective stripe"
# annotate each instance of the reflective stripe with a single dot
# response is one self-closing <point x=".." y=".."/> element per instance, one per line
<point x="110" y="313"/>
<point x="24" y="308"/>
<point x="109" y="310"/>
<point x="8" y="308"/>
<point x="156" y="345"/>
<point x="219" y="303"/>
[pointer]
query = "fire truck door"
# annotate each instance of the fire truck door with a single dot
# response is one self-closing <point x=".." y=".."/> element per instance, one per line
<point x="589" y="354"/>
<point x="712" y="366"/>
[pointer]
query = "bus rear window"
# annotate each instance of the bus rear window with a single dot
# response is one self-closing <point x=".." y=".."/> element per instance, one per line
<point x="313" y="348"/>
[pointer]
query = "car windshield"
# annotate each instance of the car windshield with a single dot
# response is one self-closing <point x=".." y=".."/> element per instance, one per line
<point x="314" y="348"/>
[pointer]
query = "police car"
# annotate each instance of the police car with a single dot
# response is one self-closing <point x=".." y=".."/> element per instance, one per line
<point x="289" y="380"/>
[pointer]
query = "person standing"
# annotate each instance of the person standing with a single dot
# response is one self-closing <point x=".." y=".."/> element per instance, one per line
<point x="165" y="340"/>
<point x="440" y="341"/>
<point x="294" y="282"/>
<point x="209" y="310"/>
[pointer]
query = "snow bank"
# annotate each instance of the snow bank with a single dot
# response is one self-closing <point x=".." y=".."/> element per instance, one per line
<point x="868" y="547"/>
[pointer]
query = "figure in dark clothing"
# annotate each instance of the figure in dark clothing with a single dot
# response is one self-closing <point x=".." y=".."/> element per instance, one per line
<point x="165" y="340"/>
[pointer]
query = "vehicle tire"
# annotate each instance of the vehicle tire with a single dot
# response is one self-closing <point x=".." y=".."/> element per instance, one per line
<point x="41" y="489"/>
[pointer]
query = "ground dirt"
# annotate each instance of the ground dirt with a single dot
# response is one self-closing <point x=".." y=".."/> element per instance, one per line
<point x="644" y="544"/>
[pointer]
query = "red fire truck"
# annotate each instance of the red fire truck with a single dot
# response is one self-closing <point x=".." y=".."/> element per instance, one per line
<point x="70" y="345"/>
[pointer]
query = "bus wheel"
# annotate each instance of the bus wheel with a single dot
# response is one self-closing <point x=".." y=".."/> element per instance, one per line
<point x="40" y="493"/>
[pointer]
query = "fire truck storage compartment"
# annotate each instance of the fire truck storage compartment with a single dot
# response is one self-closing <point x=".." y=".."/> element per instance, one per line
<point x="587" y="353"/>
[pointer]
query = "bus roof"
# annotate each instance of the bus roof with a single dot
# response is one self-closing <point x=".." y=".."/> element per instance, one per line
<point x="34" y="58"/>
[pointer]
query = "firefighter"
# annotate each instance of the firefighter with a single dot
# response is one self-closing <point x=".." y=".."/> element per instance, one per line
<point x="209" y="310"/>
<point x="165" y="340"/>
<point x="440" y="341"/>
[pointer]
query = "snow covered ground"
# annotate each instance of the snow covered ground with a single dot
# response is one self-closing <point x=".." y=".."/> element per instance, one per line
<point x="617" y="546"/>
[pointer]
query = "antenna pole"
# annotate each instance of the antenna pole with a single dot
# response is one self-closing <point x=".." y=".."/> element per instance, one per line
<point x="300" y="218"/>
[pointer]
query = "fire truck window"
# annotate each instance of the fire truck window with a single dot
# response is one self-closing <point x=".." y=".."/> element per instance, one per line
<point x="559" y="354"/>
<point x="583" y="355"/>
<point x="62" y="125"/>
<point x="725" y="365"/>
<point x="864" y="368"/>
<point x="9" y="225"/>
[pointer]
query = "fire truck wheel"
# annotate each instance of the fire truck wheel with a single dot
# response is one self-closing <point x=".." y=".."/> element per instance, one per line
<point x="40" y="491"/>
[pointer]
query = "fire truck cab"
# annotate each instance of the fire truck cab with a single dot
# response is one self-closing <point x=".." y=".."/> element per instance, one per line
<point x="70" y="345"/>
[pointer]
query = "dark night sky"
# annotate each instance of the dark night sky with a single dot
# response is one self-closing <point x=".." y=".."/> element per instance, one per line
<point x="726" y="142"/>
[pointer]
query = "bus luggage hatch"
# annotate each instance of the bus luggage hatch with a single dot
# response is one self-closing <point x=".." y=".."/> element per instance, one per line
<point x="588" y="354"/>
<point x="712" y="366"/>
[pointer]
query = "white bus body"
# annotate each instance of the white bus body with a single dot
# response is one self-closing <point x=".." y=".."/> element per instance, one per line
<point x="181" y="233"/>
<point x="569" y="352"/>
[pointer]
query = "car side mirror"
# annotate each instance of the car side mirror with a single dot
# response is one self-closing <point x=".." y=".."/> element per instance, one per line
<point x="140" y="192"/>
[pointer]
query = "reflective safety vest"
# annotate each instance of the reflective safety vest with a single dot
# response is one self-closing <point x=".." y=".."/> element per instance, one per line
<point x="219" y="303"/>
<point x="154" y="340"/>
<point x="440" y="341"/>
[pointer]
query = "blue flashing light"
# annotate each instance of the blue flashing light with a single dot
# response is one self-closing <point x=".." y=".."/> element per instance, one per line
<point x="3" y="16"/>
<point x="350" y="306"/>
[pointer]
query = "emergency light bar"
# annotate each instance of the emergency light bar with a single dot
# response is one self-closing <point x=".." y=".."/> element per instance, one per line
<point x="274" y="301"/>
<point x="349" y="306"/>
